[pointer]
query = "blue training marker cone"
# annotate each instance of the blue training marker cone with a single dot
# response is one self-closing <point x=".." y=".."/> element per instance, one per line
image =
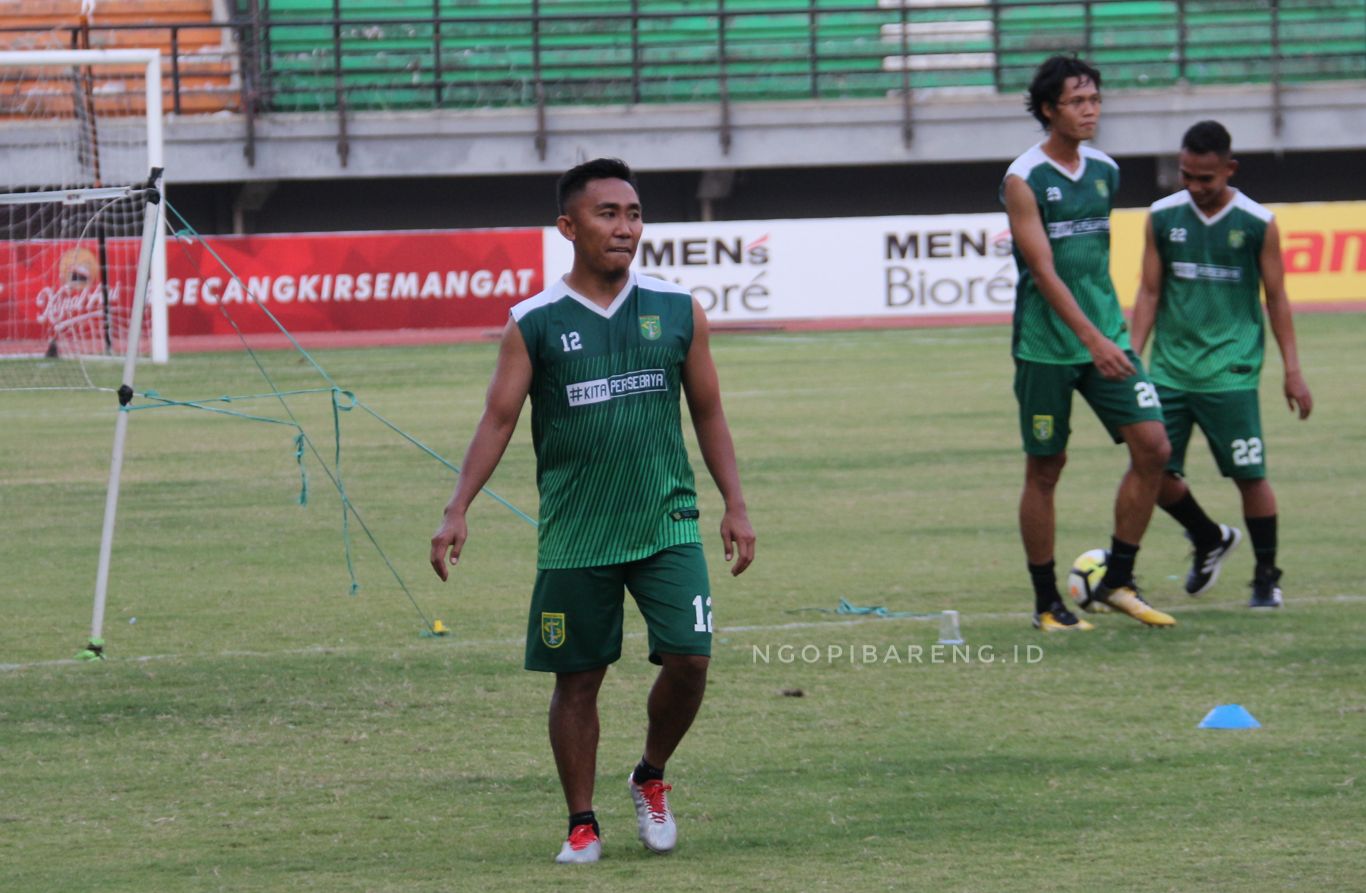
<point x="1229" y="716"/>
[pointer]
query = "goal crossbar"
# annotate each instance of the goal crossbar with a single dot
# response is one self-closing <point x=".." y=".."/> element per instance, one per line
<point x="68" y="196"/>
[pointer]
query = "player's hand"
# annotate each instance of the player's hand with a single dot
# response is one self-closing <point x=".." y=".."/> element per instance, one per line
<point x="1297" y="395"/>
<point x="448" y="540"/>
<point x="737" y="536"/>
<point x="1111" y="360"/>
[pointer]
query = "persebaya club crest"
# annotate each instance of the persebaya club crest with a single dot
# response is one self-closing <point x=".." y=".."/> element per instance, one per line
<point x="552" y="629"/>
<point x="1043" y="427"/>
<point x="1103" y="188"/>
<point x="1235" y="238"/>
<point x="649" y="328"/>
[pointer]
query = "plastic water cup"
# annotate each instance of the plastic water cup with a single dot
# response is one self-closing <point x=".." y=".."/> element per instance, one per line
<point x="949" y="633"/>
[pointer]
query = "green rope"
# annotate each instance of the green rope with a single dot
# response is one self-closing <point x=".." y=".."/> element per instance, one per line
<point x="188" y="230"/>
<point x="342" y="401"/>
<point x="163" y="403"/>
<point x="302" y="439"/>
<point x="337" y="410"/>
<point x="444" y="461"/>
<point x="303" y="471"/>
<point x="847" y="607"/>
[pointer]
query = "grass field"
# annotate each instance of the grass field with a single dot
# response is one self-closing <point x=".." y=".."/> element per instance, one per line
<point x="257" y="728"/>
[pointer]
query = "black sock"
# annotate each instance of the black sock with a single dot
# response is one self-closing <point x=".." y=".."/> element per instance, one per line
<point x="584" y="818"/>
<point x="1263" y="533"/>
<point x="1045" y="586"/>
<point x="645" y="772"/>
<point x="1119" y="569"/>
<point x="1187" y="512"/>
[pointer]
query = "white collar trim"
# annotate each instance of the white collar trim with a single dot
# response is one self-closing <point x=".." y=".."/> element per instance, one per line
<point x="1223" y="212"/>
<point x="1074" y="177"/>
<point x="610" y="310"/>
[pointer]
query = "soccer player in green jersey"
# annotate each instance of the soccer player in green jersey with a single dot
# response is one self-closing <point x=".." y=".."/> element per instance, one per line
<point x="1069" y="335"/>
<point x="1209" y="252"/>
<point x="604" y="354"/>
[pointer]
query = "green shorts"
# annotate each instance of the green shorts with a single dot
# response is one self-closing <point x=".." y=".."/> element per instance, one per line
<point x="1232" y="422"/>
<point x="576" y="613"/>
<point x="1044" y="392"/>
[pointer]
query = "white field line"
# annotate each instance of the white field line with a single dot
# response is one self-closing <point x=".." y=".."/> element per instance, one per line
<point x="723" y="631"/>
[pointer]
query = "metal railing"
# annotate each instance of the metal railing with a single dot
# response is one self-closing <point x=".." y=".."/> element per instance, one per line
<point x="329" y="60"/>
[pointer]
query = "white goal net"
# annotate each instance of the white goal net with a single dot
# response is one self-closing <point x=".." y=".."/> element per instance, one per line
<point x="80" y="134"/>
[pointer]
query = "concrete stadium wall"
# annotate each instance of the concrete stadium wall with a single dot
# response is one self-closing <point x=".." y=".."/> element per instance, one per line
<point x="976" y="127"/>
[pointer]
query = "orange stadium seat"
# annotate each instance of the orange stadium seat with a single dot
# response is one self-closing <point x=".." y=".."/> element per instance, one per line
<point x="198" y="71"/>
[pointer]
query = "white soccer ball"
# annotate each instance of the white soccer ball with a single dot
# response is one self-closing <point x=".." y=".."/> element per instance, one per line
<point x="1084" y="578"/>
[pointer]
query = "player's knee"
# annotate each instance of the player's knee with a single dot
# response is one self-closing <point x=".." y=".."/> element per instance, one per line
<point x="688" y="670"/>
<point x="1161" y="453"/>
<point x="578" y="688"/>
<point x="1150" y="450"/>
<point x="1044" y="472"/>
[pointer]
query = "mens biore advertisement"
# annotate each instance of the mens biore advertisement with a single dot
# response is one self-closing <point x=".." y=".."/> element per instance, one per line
<point x="885" y="267"/>
<point x="877" y="268"/>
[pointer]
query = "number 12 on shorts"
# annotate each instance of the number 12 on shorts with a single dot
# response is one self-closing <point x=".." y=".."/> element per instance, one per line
<point x="703" y="612"/>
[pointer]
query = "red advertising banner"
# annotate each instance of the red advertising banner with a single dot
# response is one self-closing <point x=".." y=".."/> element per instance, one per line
<point x="351" y="281"/>
<point x="52" y="290"/>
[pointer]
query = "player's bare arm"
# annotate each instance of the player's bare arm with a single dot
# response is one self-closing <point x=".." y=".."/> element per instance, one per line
<point x="703" y="390"/>
<point x="1027" y="229"/>
<point x="1149" y="290"/>
<point x="503" y="405"/>
<point x="1297" y="395"/>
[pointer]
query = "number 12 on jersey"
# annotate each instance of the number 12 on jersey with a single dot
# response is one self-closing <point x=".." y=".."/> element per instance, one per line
<point x="571" y="341"/>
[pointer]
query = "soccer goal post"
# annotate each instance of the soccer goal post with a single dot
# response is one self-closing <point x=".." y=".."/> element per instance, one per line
<point x="82" y="260"/>
<point x="80" y="133"/>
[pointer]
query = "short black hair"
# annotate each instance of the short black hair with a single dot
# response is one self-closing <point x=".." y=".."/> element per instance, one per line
<point x="1051" y="77"/>
<point x="1208" y="136"/>
<point x="574" y="180"/>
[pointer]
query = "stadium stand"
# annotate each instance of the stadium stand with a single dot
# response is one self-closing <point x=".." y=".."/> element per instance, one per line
<point x="491" y="53"/>
<point x="326" y="55"/>
<point x="199" y="69"/>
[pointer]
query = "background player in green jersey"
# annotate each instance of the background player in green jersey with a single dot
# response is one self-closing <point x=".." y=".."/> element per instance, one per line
<point x="1069" y="335"/>
<point x="1209" y="251"/>
<point x="604" y="354"/>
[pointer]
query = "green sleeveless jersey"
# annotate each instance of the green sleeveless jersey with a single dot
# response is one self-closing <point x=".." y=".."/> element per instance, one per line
<point x="611" y="465"/>
<point x="1208" y="332"/>
<point x="1075" y="208"/>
